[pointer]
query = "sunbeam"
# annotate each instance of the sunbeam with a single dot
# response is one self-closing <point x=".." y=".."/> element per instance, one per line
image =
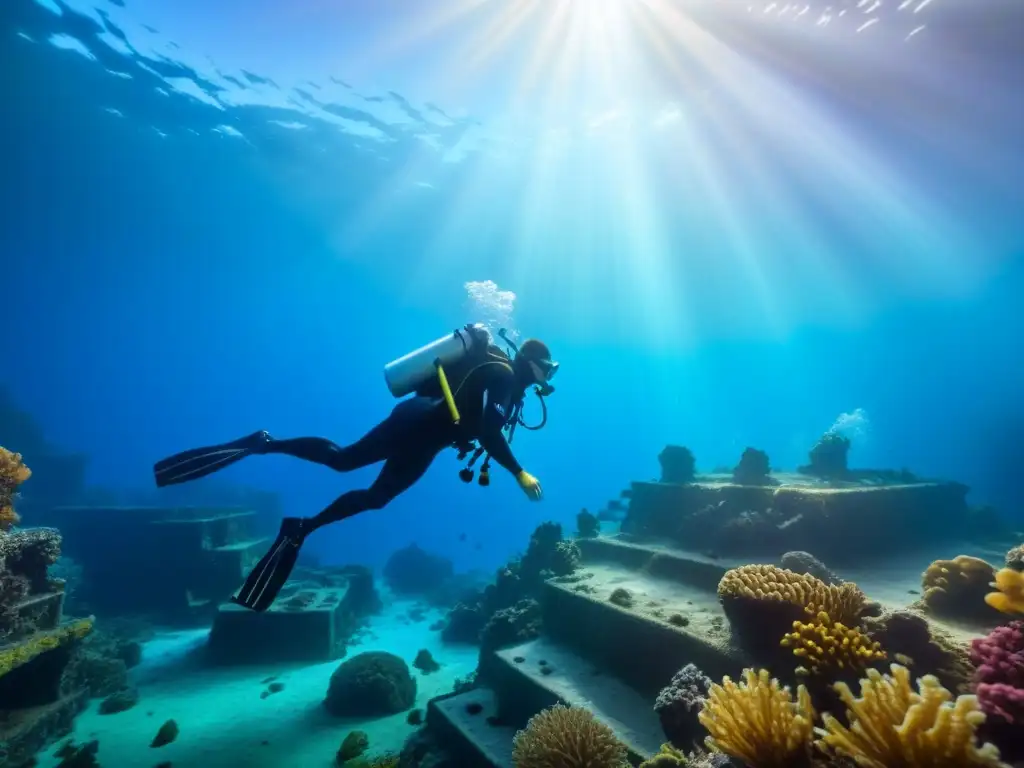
<point x="694" y="138"/>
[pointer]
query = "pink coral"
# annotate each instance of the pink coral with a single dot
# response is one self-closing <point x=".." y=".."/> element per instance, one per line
<point x="999" y="659"/>
<point x="1002" y="701"/>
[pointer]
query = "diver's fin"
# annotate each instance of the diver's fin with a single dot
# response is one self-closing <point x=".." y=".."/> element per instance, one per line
<point x="200" y="462"/>
<point x="270" y="574"/>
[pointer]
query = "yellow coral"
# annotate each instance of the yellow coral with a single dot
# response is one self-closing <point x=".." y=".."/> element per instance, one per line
<point x="566" y="737"/>
<point x="892" y="726"/>
<point x="758" y="722"/>
<point x="13" y="473"/>
<point x="957" y="585"/>
<point x="1010" y="595"/>
<point x="844" y="602"/>
<point x="22" y="652"/>
<point x="826" y="644"/>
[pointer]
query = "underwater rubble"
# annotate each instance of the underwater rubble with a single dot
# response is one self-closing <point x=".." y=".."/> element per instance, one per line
<point x="669" y="644"/>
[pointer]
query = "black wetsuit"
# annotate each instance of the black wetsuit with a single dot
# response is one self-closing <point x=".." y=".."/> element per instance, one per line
<point x="409" y="439"/>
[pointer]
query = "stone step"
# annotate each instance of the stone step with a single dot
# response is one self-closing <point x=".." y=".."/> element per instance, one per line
<point x="540" y="673"/>
<point x="212" y="532"/>
<point x="466" y="723"/>
<point x="657" y="560"/>
<point x="666" y="625"/>
<point x="305" y="625"/>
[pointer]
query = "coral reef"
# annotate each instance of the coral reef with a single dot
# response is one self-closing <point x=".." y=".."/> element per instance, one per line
<point x="511" y="625"/>
<point x="908" y="634"/>
<point x="1009" y="594"/>
<point x="13" y="473"/>
<point x="805" y="562"/>
<point x="893" y="726"/>
<point x="753" y="469"/>
<point x="566" y="737"/>
<point x="827" y="645"/>
<point x="758" y="721"/>
<point x="1015" y="558"/>
<point x="587" y="525"/>
<point x="522" y="579"/>
<point x="679" y="703"/>
<point x="372" y="684"/>
<point x="999" y="678"/>
<point x="763" y="601"/>
<point x="414" y="571"/>
<point x="828" y="458"/>
<point x="677" y="464"/>
<point x="19" y="654"/>
<point x="956" y="588"/>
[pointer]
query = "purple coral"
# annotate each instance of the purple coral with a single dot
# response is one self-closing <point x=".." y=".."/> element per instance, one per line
<point x="999" y="659"/>
<point x="679" y="703"/>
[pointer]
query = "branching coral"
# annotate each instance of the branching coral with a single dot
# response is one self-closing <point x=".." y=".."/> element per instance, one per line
<point x="13" y="473"/>
<point x="566" y="737"/>
<point x="14" y="656"/>
<point x="758" y="722"/>
<point x="956" y="587"/>
<point x="893" y="726"/>
<point x="828" y="645"/>
<point x="1009" y="597"/>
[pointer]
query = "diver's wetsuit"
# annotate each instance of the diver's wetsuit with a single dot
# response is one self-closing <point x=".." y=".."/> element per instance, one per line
<point x="406" y="441"/>
<point x="409" y="439"/>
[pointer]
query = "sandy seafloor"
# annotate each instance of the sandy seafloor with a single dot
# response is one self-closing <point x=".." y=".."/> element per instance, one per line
<point x="224" y="722"/>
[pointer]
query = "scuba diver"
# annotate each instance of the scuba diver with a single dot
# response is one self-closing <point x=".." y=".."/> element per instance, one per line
<point x="467" y="391"/>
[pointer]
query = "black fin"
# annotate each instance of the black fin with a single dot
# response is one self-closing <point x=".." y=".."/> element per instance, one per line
<point x="265" y="581"/>
<point x="200" y="462"/>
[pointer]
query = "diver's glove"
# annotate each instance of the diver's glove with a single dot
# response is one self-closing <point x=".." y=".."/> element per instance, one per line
<point x="530" y="485"/>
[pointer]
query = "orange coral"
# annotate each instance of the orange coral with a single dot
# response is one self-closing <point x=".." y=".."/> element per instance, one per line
<point x="13" y="473"/>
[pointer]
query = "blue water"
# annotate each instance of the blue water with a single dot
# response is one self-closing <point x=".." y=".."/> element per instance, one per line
<point x="223" y="219"/>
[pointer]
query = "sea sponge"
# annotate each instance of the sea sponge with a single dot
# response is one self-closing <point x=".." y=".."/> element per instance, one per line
<point x="566" y="737"/>
<point x="830" y="645"/>
<point x="758" y="722"/>
<point x="679" y="703"/>
<point x="1009" y="597"/>
<point x="893" y="726"/>
<point x="956" y="588"/>
<point x="763" y="601"/>
<point x="13" y="473"/>
<point x="17" y="654"/>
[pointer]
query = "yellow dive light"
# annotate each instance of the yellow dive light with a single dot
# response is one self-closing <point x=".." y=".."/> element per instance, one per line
<point x="447" y="391"/>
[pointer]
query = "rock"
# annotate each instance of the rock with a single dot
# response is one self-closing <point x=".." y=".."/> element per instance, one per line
<point x="355" y="743"/>
<point x="119" y="701"/>
<point x="805" y="562"/>
<point x="425" y="663"/>
<point x="168" y="733"/>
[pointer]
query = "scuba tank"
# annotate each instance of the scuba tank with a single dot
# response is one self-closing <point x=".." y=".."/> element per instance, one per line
<point x="409" y="373"/>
